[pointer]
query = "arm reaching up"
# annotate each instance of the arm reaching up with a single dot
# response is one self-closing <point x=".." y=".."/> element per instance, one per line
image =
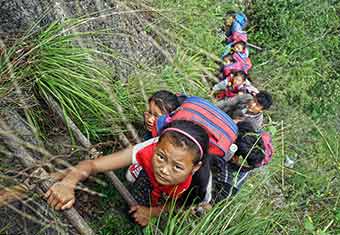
<point x="61" y="194"/>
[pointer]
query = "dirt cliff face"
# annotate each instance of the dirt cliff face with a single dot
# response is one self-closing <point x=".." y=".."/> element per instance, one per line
<point x="126" y="24"/>
<point x="127" y="37"/>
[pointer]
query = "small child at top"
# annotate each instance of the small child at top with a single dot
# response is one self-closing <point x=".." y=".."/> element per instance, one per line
<point x="168" y="163"/>
<point x="235" y="22"/>
<point x="161" y="102"/>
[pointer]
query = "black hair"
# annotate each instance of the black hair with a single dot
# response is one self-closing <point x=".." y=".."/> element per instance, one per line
<point x="250" y="144"/>
<point x="165" y="100"/>
<point x="226" y="16"/>
<point x="244" y="44"/>
<point x="180" y="140"/>
<point x="264" y="99"/>
<point x="242" y="73"/>
<point x="230" y="57"/>
<point x="181" y="98"/>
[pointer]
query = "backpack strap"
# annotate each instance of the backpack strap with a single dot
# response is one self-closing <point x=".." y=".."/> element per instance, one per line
<point x="159" y="124"/>
<point x="268" y="148"/>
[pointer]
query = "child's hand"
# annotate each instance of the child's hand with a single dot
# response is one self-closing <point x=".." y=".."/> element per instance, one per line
<point x="212" y="96"/>
<point x="201" y="208"/>
<point x="58" y="175"/>
<point x="60" y="196"/>
<point x="141" y="214"/>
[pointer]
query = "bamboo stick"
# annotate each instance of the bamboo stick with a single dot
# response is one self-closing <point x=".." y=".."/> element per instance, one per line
<point x="27" y="160"/>
<point x="254" y="46"/>
<point x="87" y="144"/>
<point x="13" y="193"/>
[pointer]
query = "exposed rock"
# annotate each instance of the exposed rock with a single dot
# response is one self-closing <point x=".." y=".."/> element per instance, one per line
<point x="127" y="35"/>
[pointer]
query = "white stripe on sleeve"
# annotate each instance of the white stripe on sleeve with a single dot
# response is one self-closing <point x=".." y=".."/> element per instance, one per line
<point x="140" y="146"/>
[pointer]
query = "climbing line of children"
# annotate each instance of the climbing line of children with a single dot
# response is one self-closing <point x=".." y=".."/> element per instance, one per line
<point x="195" y="151"/>
<point x="243" y="102"/>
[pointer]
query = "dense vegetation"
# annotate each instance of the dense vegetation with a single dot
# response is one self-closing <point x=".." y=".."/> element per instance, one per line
<point x="299" y="64"/>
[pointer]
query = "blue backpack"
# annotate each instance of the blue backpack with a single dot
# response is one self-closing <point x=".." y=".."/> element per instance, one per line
<point x="239" y="24"/>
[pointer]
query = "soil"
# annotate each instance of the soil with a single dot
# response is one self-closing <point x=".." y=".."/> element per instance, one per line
<point x="32" y="215"/>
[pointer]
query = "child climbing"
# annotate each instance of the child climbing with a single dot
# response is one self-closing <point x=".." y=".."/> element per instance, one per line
<point x="161" y="102"/>
<point x="239" y="46"/>
<point x="236" y="83"/>
<point x="228" y="62"/>
<point x="254" y="150"/>
<point x="236" y="22"/>
<point x="168" y="163"/>
<point x="247" y="107"/>
<point x="222" y="132"/>
<point x="232" y="63"/>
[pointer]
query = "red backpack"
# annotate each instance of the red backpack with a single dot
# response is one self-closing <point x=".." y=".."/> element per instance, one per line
<point x="221" y="129"/>
<point x="268" y="148"/>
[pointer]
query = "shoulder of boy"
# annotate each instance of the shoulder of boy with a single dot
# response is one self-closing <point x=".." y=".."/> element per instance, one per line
<point x="139" y="147"/>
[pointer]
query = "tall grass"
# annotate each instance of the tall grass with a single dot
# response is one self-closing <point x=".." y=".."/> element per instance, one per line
<point x="299" y="65"/>
<point x="54" y="64"/>
<point x="304" y="203"/>
<point x="300" y="59"/>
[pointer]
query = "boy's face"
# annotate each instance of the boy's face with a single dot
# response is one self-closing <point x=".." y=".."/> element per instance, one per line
<point x="238" y="80"/>
<point x="229" y="21"/>
<point x="254" y="107"/>
<point x="151" y="114"/>
<point x="238" y="47"/>
<point x="172" y="164"/>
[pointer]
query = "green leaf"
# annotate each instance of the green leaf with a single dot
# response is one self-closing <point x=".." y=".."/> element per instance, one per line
<point x="337" y="215"/>
<point x="308" y="224"/>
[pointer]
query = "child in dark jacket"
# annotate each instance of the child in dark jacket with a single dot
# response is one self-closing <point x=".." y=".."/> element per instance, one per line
<point x="247" y="107"/>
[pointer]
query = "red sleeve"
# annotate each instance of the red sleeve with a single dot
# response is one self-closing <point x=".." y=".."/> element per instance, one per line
<point x="141" y="150"/>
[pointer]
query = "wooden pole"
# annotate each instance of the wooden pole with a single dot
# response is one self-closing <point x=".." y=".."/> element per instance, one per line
<point x="13" y="193"/>
<point x="13" y="143"/>
<point x="87" y="144"/>
<point x="254" y="46"/>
